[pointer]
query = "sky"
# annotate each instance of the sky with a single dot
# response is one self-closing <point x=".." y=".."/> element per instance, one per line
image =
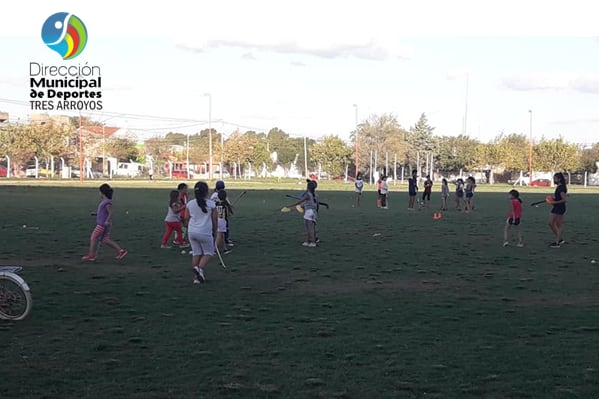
<point x="310" y="68"/>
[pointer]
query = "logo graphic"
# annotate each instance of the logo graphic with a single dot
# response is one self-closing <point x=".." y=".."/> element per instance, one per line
<point x="66" y="34"/>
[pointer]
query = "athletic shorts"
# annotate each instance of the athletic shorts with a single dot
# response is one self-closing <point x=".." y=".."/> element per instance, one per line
<point x="469" y="195"/>
<point x="201" y="244"/>
<point x="512" y="221"/>
<point x="309" y="214"/>
<point x="460" y="194"/>
<point x="413" y="193"/>
<point x="426" y="196"/>
<point x="558" y="210"/>
<point x="101" y="233"/>
<point x="222" y="225"/>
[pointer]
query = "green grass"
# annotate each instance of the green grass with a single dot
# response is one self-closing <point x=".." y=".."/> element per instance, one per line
<point x="435" y="309"/>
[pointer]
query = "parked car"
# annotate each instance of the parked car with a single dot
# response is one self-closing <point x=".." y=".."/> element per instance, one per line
<point x="129" y="169"/>
<point x="182" y="174"/>
<point x="41" y="172"/>
<point x="541" y="183"/>
<point x="225" y="175"/>
<point x="3" y="171"/>
<point x="349" y="179"/>
<point x="96" y="174"/>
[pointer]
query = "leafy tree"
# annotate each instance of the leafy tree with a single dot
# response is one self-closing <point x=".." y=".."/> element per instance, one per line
<point x="556" y="155"/>
<point x="515" y="151"/>
<point x="286" y="148"/>
<point x="159" y="148"/>
<point x="589" y="158"/>
<point x="77" y="121"/>
<point x="381" y="134"/>
<point x="456" y="152"/>
<point x="420" y="136"/>
<point x="246" y="148"/>
<point x="23" y="142"/>
<point x="175" y="139"/>
<point x="122" y="148"/>
<point x="253" y="134"/>
<point x="332" y="153"/>
<point x="260" y="154"/>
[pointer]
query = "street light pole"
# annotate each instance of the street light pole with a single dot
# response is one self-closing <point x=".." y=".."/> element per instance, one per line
<point x="356" y="140"/>
<point x="222" y="149"/>
<point x="209" y="132"/>
<point x="80" y="151"/>
<point x="466" y="105"/>
<point x="530" y="151"/>
<point x="187" y="159"/>
<point x="306" y="158"/>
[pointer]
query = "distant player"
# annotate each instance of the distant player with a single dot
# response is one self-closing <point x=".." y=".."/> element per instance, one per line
<point x="359" y="184"/>
<point x="428" y="189"/>
<point x="459" y="194"/>
<point x="220" y="185"/>
<point x="469" y="193"/>
<point x="556" y="220"/>
<point x="412" y="189"/>
<point x="513" y="219"/>
<point x="183" y="190"/>
<point x="378" y="191"/>
<point x="384" y="192"/>
<point x="444" y="194"/>
<point x="223" y="210"/>
<point x="309" y="201"/>
<point x="318" y="204"/>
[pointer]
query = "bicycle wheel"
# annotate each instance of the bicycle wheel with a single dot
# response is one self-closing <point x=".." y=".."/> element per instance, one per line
<point x="15" y="298"/>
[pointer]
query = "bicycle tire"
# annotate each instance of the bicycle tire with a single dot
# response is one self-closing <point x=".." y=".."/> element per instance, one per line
<point x="15" y="297"/>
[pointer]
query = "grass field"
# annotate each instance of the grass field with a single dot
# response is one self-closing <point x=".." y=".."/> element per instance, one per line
<point x="392" y="304"/>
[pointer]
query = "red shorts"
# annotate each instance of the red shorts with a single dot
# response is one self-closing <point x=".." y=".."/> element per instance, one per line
<point x="101" y="233"/>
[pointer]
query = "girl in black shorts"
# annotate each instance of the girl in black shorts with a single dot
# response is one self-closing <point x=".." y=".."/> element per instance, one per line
<point x="556" y="219"/>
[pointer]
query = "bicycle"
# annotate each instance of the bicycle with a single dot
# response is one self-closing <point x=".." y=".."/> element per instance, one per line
<point x="15" y="296"/>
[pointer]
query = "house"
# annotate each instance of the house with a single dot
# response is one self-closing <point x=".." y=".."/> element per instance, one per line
<point x="94" y="138"/>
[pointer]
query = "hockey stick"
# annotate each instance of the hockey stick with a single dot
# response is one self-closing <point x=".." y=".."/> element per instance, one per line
<point x="220" y="258"/>
<point x="238" y="197"/>
<point x="298" y="198"/>
<point x="538" y="203"/>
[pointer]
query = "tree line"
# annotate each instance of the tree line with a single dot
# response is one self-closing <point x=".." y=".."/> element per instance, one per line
<point x="378" y="134"/>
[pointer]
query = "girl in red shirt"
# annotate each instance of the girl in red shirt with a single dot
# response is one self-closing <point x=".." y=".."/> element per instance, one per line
<point x="513" y="220"/>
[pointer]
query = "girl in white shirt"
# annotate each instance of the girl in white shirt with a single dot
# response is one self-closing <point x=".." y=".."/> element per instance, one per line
<point x="172" y="221"/>
<point x="202" y="223"/>
<point x="384" y="192"/>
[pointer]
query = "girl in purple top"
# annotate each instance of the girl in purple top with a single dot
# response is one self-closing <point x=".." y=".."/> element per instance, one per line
<point x="103" y="224"/>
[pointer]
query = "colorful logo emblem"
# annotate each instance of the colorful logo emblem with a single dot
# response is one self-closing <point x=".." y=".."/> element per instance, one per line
<point x="66" y="34"/>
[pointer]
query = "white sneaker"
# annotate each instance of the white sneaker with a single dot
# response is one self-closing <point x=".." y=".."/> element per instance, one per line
<point x="312" y="245"/>
<point x="505" y="244"/>
<point x="306" y="244"/>
<point x="520" y="245"/>
<point x="199" y="274"/>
